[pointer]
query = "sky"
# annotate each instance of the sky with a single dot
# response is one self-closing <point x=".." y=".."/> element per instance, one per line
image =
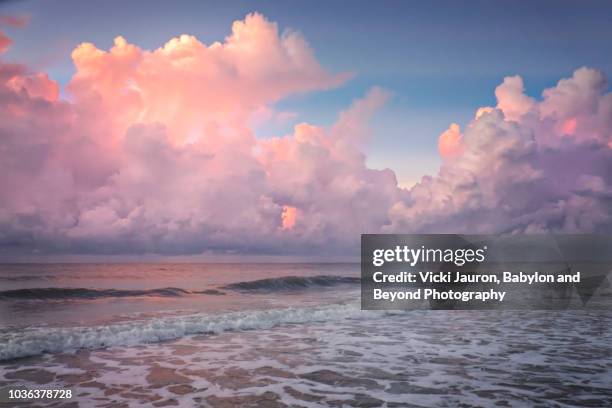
<point x="396" y="85"/>
<point x="440" y="59"/>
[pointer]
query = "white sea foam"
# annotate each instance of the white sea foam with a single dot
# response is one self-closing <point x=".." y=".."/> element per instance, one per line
<point x="35" y="341"/>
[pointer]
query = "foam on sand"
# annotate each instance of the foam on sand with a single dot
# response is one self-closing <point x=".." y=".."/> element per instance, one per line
<point x="35" y="341"/>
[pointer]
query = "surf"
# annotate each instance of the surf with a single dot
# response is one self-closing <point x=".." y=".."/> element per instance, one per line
<point x="291" y="283"/>
<point x="41" y="340"/>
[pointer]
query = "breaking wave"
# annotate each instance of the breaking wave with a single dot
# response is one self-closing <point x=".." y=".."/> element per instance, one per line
<point x="287" y="283"/>
<point x="82" y="293"/>
<point x="40" y="340"/>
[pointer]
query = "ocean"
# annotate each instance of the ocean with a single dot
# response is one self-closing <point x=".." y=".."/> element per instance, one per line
<point x="280" y="335"/>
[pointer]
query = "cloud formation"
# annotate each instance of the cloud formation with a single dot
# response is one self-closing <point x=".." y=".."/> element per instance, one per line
<point x="524" y="166"/>
<point x="153" y="152"/>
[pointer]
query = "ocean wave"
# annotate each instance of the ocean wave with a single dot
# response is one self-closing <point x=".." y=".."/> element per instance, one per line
<point x="287" y="283"/>
<point x="36" y="341"/>
<point x="82" y="293"/>
<point x="25" y="278"/>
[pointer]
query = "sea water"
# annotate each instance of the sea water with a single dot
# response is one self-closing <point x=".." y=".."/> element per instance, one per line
<point x="281" y="335"/>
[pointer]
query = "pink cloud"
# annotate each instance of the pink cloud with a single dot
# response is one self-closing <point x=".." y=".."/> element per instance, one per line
<point x="36" y="85"/>
<point x="449" y="142"/>
<point x="10" y="21"/>
<point x="527" y="166"/>
<point x="154" y="152"/>
<point x="289" y="216"/>
<point x="511" y="99"/>
<point x="197" y="90"/>
<point x="5" y="42"/>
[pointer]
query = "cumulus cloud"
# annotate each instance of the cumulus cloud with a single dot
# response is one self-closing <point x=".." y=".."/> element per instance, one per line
<point x="511" y="98"/>
<point x="153" y="152"/>
<point x="526" y="166"/>
<point x="449" y="142"/>
<point x="201" y="91"/>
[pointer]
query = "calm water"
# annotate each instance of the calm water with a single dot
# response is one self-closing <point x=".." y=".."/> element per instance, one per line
<point x="281" y="335"/>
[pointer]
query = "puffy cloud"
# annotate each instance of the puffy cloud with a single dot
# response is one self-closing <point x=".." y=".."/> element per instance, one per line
<point x="449" y="142"/>
<point x="527" y="166"/>
<point x="511" y="99"/>
<point x="482" y="110"/>
<point x="289" y="217"/>
<point x="153" y="152"/>
<point x="322" y="173"/>
<point x="36" y="85"/>
<point x="578" y="108"/>
<point x="200" y="91"/>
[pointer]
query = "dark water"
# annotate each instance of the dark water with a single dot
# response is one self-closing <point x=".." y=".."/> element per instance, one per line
<point x="281" y="335"/>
